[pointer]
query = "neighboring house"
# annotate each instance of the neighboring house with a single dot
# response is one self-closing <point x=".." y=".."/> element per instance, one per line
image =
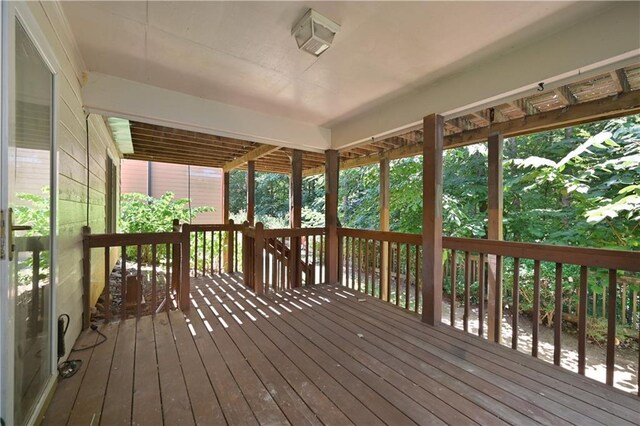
<point x="202" y="185"/>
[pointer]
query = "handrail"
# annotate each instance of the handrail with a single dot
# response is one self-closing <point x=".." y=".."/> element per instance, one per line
<point x="393" y="237"/>
<point x="200" y="227"/>
<point x="590" y="257"/>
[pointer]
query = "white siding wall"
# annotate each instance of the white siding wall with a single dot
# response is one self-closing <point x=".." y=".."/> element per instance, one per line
<point x="73" y="177"/>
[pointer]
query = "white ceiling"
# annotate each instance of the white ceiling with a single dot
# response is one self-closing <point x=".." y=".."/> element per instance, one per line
<point x="242" y="53"/>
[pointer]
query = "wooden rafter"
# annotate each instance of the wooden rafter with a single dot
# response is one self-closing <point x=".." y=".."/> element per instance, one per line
<point x="620" y="80"/>
<point x="261" y="151"/>
<point x="600" y="109"/>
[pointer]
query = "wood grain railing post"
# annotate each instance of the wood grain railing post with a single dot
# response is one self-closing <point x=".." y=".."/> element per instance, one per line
<point x="185" y="281"/>
<point x="611" y="325"/>
<point x="433" y="135"/>
<point x="332" y="173"/>
<point x="86" y="278"/>
<point x="582" y="320"/>
<point x="228" y="256"/>
<point x="175" y="256"/>
<point x="258" y="257"/>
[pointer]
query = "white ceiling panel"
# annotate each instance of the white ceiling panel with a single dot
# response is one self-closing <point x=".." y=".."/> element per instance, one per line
<point x="242" y="53"/>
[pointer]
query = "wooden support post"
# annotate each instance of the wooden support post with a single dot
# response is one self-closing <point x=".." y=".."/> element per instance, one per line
<point x="230" y="250"/>
<point x="258" y="256"/>
<point x="384" y="226"/>
<point x="227" y="255"/>
<point x="295" y="216"/>
<point x="86" y="278"/>
<point x="432" y="219"/>
<point x="185" y="278"/>
<point x="494" y="232"/>
<point x="176" y="262"/>
<point x="332" y="174"/>
<point x="251" y="192"/>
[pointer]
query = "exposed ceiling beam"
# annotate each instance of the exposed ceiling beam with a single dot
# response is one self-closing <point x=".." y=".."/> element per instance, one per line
<point x="620" y="80"/>
<point x="565" y="95"/>
<point x="601" y="109"/>
<point x="261" y="151"/>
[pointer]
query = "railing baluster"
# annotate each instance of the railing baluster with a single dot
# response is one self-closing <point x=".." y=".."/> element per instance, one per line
<point x="123" y="283"/>
<point x="195" y="255"/>
<point x="347" y="254"/>
<point x="140" y="287"/>
<point x="557" y="316"/>
<point x="388" y="271"/>
<point x="398" y="248"/>
<point x="167" y="280"/>
<point x="323" y="269"/>
<point x="467" y="290"/>
<point x="359" y="264"/>
<point x="220" y="262"/>
<point x="611" y="325"/>
<point x="367" y="269"/>
<point x="407" y="293"/>
<point x="154" y="279"/>
<point x="452" y="290"/>
<point x="582" y="320"/>
<point x="353" y="263"/>
<point x="283" y="264"/>
<point x="417" y="287"/>
<point x="481" y="282"/>
<point x="536" y="308"/>
<point x="516" y="303"/>
<point x="107" y="283"/>
<point x="498" y="302"/>
<point x="204" y="253"/>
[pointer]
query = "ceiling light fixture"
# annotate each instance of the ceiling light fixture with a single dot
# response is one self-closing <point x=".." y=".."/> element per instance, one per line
<point x="314" y="32"/>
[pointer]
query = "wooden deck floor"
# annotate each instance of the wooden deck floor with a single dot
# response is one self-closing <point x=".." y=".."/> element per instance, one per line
<point x="321" y="355"/>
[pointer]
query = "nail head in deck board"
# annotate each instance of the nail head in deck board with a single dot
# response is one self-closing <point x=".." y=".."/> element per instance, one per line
<point x="88" y="404"/>
<point x="147" y="404"/>
<point x="117" y="401"/>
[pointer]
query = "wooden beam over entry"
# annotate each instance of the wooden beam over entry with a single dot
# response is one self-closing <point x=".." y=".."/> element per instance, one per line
<point x="432" y="219"/>
<point x="260" y="151"/>
<point x="251" y="192"/>
<point x="384" y="226"/>
<point x="494" y="232"/>
<point x="332" y="174"/>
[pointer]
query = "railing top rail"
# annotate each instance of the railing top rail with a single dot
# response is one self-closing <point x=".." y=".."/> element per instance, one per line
<point x="142" y="238"/>
<point x="591" y="257"/>
<point x="198" y="227"/>
<point x="600" y="258"/>
<point x="394" y="237"/>
<point x="293" y="232"/>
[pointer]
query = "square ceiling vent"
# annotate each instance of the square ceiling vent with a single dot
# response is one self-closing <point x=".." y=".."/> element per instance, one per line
<point x="314" y="32"/>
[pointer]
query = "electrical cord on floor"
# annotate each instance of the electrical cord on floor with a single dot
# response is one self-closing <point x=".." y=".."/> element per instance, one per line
<point x="84" y="348"/>
<point x="71" y="366"/>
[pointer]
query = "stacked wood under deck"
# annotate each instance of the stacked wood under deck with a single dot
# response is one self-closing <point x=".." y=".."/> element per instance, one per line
<point x="315" y="355"/>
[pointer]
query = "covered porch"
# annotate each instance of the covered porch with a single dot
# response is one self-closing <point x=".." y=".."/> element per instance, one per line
<point x="315" y="355"/>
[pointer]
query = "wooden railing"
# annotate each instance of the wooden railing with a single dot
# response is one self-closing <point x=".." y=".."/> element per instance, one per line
<point x="213" y="249"/>
<point x="279" y="259"/>
<point x="388" y="265"/>
<point x="157" y="249"/>
<point x="493" y="254"/>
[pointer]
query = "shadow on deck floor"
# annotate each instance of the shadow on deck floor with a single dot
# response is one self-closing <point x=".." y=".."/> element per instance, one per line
<point x="315" y="355"/>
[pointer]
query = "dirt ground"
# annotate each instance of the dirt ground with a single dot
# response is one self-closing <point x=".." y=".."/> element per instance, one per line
<point x="626" y="372"/>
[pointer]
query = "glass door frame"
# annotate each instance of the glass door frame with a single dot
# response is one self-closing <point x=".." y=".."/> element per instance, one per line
<point x="12" y="11"/>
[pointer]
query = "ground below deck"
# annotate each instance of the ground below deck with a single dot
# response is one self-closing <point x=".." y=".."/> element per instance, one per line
<point x="319" y="355"/>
